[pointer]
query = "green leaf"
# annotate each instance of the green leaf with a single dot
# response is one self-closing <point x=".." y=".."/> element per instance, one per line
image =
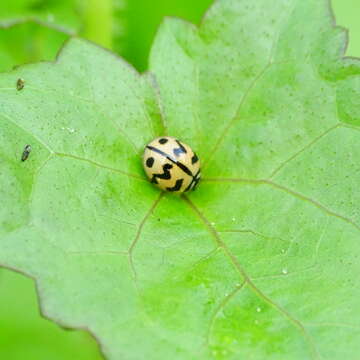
<point x="61" y="15"/>
<point x="28" y="42"/>
<point x="22" y="330"/>
<point x="262" y="260"/>
<point x="136" y="42"/>
<point x="34" y="30"/>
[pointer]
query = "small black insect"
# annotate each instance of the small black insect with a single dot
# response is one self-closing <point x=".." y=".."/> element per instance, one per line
<point x="26" y="152"/>
<point x="20" y="84"/>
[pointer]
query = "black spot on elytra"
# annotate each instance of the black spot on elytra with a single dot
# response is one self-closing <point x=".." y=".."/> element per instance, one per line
<point x="165" y="175"/>
<point x="163" y="141"/>
<point x="177" y="186"/>
<point x="150" y="162"/>
<point x="194" y="159"/>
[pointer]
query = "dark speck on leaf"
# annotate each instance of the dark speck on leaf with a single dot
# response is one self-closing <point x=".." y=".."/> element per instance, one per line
<point x="20" y="84"/>
<point x="26" y="152"/>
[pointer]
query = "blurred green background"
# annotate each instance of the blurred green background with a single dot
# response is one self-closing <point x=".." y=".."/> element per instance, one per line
<point x="33" y="30"/>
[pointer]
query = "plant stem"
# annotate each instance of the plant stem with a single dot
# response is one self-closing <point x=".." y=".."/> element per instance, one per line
<point x="98" y="21"/>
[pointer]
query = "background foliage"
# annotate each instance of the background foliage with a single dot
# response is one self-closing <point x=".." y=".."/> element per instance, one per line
<point x="32" y="30"/>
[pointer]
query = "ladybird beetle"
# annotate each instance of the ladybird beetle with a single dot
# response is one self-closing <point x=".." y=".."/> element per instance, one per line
<point x="171" y="165"/>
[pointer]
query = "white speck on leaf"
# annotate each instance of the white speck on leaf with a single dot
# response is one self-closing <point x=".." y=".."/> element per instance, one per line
<point x="70" y="130"/>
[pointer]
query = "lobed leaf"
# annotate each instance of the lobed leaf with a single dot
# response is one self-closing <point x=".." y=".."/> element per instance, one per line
<point x="262" y="260"/>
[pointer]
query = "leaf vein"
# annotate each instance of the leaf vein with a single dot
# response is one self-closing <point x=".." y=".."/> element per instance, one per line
<point x="96" y="105"/>
<point x="9" y="119"/>
<point x="94" y="163"/>
<point x="306" y="147"/>
<point x="287" y="190"/>
<point x="138" y="234"/>
<point x="234" y="118"/>
<point x="247" y="278"/>
<point x="220" y="307"/>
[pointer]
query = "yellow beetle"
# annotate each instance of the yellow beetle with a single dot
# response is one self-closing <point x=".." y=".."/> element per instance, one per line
<point x="171" y="165"/>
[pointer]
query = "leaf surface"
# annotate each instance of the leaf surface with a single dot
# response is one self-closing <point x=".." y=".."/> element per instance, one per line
<point x="262" y="260"/>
